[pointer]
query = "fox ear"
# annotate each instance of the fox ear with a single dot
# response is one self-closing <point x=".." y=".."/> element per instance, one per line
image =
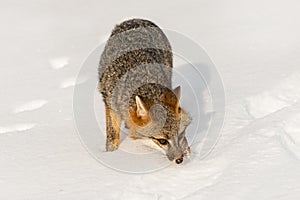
<point x="172" y="98"/>
<point x="177" y="92"/>
<point x="141" y="110"/>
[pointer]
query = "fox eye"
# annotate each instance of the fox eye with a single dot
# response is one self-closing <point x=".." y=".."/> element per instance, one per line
<point x="162" y="141"/>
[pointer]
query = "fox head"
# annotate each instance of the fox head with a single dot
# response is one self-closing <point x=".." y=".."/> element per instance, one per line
<point x="164" y="123"/>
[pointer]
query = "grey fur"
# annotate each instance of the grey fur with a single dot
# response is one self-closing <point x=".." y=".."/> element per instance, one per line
<point x="137" y="61"/>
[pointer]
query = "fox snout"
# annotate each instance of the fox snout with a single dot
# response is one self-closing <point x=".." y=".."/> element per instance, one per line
<point x="179" y="159"/>
<point x="177" y="150"/>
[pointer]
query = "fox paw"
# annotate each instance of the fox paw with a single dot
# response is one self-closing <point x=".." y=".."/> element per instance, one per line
<point x="111" y="146"/>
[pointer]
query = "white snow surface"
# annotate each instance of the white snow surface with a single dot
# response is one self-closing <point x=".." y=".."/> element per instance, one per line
<point x="255" y="46"/>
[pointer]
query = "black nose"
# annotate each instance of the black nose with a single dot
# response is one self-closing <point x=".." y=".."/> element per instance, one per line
<point x="179" y="160"/>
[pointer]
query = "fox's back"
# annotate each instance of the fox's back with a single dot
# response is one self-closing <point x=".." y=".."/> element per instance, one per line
<point x="137" y="59"/>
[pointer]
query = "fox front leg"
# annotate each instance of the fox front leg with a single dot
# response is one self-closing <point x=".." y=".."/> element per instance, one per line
<point x="113" y="122"/>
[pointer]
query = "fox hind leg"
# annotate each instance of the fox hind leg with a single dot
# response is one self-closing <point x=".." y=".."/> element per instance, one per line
<point x="113" y="123"/>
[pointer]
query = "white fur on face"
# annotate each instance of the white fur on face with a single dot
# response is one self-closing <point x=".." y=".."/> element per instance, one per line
<point x="151" y="144"/>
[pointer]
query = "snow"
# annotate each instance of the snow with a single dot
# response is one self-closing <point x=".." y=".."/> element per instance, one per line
<point x="33" y="105"/>
<point x="254" y="45"/>
<point x="16" y="128"/>
<point x="284" y="95"/>
<point x="59" y="62"/>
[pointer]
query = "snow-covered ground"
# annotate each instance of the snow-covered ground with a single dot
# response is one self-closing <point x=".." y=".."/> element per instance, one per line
<point x="255" y="46"/>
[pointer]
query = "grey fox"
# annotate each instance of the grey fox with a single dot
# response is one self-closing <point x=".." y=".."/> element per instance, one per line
<point x="135" y="74"/>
